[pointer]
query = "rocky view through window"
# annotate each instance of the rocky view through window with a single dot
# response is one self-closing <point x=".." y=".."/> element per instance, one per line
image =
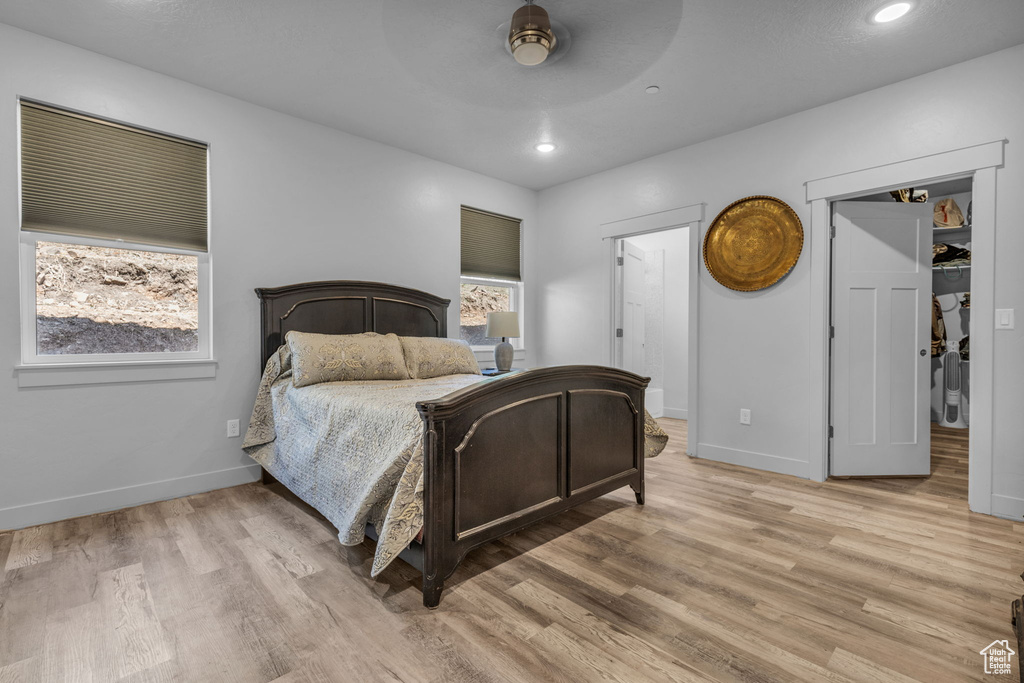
<point x="477" y="302"/>
<point x="96" y="300"/>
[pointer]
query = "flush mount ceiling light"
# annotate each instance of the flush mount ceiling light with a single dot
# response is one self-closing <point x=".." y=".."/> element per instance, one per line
<point x="530" y="36"/>
<point x="544" y="147"/>
<point x="891" y="12"/>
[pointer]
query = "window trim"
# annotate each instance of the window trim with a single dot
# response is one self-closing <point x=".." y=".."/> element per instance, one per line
<point x="31" y="360"/>
<point x="61" y="375"/>
<point x="515" y="303"/>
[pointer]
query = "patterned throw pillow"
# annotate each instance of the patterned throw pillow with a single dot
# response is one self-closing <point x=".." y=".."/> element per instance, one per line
<point x="320" y="358"/>
<point x="427" y="357"/>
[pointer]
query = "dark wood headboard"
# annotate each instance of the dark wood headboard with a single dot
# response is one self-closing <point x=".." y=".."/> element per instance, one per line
<point x="348" y="307"/>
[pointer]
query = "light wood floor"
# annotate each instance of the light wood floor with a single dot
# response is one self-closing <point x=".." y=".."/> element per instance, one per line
<point x="726" y="574"/>
<point x="949" y="470"/>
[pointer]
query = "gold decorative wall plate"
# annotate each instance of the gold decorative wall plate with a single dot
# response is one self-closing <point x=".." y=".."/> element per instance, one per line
<point x="753" y="243"/>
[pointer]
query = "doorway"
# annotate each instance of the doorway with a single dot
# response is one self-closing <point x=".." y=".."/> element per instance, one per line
<point x="691" y="218"/>
<point x="900" y="375"/>
<point x="982" y="161"/>
<point x="651" y="318"/>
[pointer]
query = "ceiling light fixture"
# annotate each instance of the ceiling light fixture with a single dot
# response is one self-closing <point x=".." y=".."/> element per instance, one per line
<point x="544" y="147"/>
<point x="891" y="12"/>
<point x="530" y="36"/>
<point x="652" y="89"/>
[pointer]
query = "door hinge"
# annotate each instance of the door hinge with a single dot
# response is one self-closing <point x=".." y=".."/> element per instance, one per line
<point x="831" y="431"/>
<point x="832" y="231"/>
<point x="831" y="331"/>
<point x="618" y="332"/>
<point x="619" y="261"/>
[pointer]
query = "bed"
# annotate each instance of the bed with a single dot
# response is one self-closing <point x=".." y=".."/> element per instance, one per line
<point x="586" y="433"/>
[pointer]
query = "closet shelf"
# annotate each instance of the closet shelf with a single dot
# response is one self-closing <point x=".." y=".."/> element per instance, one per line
<point x="962" y="230"/>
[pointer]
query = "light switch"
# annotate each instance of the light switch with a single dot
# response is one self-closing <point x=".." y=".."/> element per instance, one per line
<point x="1004" y="318"/>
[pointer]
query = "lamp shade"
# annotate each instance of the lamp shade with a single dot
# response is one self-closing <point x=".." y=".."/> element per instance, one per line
<point x="502" y="324"/>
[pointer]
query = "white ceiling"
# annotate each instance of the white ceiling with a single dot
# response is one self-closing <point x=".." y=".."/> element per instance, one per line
<point x="433" y="77"/>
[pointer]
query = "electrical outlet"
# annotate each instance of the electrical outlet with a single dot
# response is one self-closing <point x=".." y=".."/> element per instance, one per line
<point x="744" y="416"/>
<point x="232" y="428"/>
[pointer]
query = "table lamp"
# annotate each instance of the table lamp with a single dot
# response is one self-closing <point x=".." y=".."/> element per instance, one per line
<point x="502" y="324"/>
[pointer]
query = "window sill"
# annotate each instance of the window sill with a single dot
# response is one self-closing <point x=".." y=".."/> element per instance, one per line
<point x="70" y="374"/>
<point x="485" y="356"/>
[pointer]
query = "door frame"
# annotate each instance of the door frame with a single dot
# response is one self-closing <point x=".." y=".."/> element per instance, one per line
<point x="619" y="318"/>
<point x="691" y="216"/>
<point x="978" y="161"/>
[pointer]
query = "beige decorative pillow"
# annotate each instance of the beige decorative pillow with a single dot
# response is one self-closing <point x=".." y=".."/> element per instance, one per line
<point x="427" y="357"/>
<point x="320" y="358"/>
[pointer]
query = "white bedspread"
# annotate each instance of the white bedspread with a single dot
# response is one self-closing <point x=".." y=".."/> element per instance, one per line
<point x="352" y="450"/>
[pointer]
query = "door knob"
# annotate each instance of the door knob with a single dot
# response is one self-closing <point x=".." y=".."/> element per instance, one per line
<point x="924" y="352"/>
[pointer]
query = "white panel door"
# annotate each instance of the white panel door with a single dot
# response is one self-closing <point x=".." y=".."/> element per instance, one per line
<point x="881" y="354"/>
<point x="632" y="308"/>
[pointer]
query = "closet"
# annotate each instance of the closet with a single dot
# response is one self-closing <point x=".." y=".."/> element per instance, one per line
<point x="951" y="278"/>
<point x="951" y="295"/>
<point x="898" y="408"/>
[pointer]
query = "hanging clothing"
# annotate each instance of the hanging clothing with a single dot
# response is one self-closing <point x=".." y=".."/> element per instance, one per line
<point x="965" y="348"/>
<point x="965" y="302"/>
<point x="910" y="195"/>
<point x="938" y="329"/>
<point x="949" y="255"/>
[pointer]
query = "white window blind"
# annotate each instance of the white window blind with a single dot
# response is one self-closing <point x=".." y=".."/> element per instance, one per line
<point x="490" y="245"/>
<point x="88" y="177"/>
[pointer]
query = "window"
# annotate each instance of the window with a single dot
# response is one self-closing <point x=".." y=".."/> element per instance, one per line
<point x="479" y="297"/>
<point x="114" y="257"/>
<point x="491" y="274"/>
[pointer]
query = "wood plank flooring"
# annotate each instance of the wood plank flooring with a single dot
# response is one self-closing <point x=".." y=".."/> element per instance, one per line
<point x="727" y="574"/>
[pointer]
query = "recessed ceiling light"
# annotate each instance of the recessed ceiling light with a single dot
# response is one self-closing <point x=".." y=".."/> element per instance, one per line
<point x="891" y="12"/>
<point x="545" y="147"/>
<point x="651" y="89"/>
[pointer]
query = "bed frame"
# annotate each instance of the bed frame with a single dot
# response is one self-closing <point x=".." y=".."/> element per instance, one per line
<point x="498" y="455"/>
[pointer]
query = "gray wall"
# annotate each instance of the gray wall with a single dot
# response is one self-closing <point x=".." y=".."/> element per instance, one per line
<point x="291" y="202"/>
<point x="754" y="347"/>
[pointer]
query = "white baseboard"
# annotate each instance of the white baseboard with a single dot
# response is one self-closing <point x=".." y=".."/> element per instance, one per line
<point x="676" y="413"/>
<point x="21" y="516"/>
<point x="1008" y="507"/>
<point x="759" y="461"/>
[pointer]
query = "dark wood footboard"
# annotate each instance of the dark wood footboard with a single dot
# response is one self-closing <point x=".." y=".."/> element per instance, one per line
<point x="499" y="455"/>
<point x="505" y="453"/>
